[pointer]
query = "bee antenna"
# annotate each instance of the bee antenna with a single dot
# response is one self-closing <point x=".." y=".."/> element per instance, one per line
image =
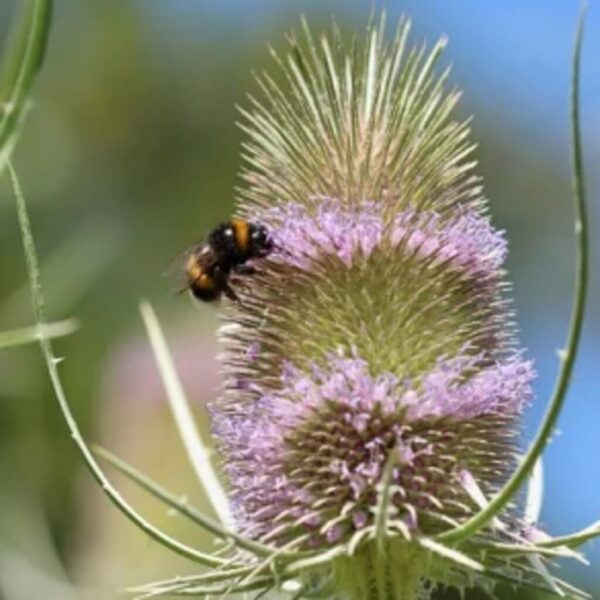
<point x="180" y="290"/>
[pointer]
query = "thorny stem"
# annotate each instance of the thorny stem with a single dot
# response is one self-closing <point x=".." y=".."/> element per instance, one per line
<point x="181" y="505"/>
<point x="39" y="312"/>
<point x="503" y="497"/>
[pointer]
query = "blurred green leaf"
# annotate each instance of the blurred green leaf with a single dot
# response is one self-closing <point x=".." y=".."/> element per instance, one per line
<point x="20" y="69"/>
<point x="26" y="335"/>
<point x="71" y="270"/>
<point x="198" y="450"/>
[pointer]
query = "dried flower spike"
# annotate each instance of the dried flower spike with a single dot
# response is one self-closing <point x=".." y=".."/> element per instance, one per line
<point x="373" y="381"/>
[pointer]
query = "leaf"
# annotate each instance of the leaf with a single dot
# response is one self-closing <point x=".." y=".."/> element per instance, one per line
<point x="535" y="494"/>
<point x="27" y="335"/>
<point x="451" y="554"/>
<point x="22" y="67"/>
<point x="574" y="539"/>
<point x="181" y="506"/>
<point x="197" y="449"/>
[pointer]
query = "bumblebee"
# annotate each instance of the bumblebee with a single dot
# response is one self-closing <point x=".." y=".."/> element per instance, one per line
<point x="227" y="249"/>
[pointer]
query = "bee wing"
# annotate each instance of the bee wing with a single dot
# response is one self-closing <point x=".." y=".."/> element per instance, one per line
<point x="178" y="268"/>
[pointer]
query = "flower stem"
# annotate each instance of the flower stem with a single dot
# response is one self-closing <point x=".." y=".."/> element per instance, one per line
<point x="405" y="574"/>
<point x="372" y="575"/>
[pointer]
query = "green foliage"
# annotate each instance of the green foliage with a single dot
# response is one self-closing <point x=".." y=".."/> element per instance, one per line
<point x="27" y="335"/>
<point x="21" y="67"/>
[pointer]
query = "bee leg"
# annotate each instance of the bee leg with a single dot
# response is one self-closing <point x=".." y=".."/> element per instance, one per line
<point x="228" y="291"/>
<point x="222" y="280"/>
<point x="244" y="270"/>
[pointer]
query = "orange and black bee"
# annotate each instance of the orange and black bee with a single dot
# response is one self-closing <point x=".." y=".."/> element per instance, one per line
<point x="227" y="249"/>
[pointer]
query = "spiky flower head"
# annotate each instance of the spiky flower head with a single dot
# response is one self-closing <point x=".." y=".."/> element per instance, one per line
<point x="373" y="381"/>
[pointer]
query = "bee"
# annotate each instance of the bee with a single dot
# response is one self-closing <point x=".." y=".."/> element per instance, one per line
<point x="226" y="250"/>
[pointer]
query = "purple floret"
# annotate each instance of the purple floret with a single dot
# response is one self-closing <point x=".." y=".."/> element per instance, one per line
<point x="333" y="428"/>
<point x="467" y="240"/>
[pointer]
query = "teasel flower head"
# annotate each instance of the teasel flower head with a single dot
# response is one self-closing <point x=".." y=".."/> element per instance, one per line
<point x="374" y="383"/>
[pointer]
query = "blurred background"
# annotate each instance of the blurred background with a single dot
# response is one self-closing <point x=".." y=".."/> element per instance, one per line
<point x="131" y="153"/>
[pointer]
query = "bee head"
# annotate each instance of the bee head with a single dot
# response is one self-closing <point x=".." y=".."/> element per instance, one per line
<point x="261" y="243"/>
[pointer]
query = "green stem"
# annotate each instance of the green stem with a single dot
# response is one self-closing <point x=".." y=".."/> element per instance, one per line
<point x="510" y="488"/>
<point x="353" y="575"/>
<point x="371" y="575"/>
<point x="39" y="312"/>
<point x="575" y="539"/>
<point x="379" y="568"/>
<point x="182" y="506"/>
<point x="26" y="61"/>
<point x="406" y="572"/>
<point x="405" y="587"/>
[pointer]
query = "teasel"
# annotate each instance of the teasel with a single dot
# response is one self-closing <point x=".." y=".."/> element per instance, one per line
<point x="374" y="383"/>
